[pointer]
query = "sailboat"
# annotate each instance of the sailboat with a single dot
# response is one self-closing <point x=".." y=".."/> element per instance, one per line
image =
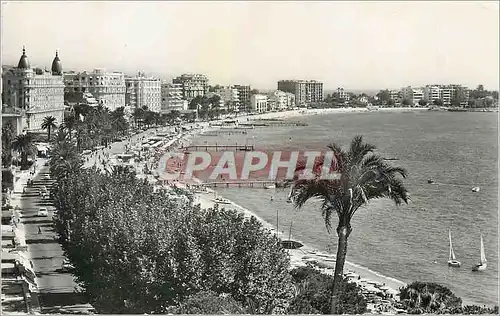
<point x="452" y="261"/>
<point x="482" y="264"/>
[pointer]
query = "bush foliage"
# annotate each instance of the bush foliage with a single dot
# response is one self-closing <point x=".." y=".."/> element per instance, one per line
<point x="137" y="251"/>
<point x="314" y="293"/>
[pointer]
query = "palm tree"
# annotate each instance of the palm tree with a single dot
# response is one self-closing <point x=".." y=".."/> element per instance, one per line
<point x="363" y="176"/>
<point x="24" y="145"/>
<point x="70" y="123"/>
<point x="49" y="123"/>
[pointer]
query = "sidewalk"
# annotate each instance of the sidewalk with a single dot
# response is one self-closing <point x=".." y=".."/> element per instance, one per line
<point x="20" y="252"/>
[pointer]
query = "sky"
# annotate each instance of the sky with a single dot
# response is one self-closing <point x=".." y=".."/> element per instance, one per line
<point x="355" y="45"/>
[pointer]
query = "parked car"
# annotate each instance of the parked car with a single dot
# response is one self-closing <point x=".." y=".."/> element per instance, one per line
<point x="42" y="212"/>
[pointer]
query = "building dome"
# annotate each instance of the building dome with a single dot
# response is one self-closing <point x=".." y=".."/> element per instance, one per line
<point x="56" y="65"/>
<point x="24" y="63"/>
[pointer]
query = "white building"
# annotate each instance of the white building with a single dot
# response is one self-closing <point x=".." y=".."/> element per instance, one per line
<point x="342" y="94"/>
<point x="446" y="93"/>
<point x="172" y="98"/>
<point x="280" y="100"/>
<point x="414" y="95"/>
<point x="230" y="98"/>
<point x="108" y="88"/>
<point x="142" y="91"/>
<point x="258" y="103"/>
<point x="35" y="92"/>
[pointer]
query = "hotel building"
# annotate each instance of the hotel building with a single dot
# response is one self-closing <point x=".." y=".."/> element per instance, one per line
<point x="230" y="98"/>
<point x="34" y="92"/>
<point x="305" y="91"/>
<point x="258" y="103"/>
<point x="446" y="93"/>
<point x="244" y="97"/>
<point x="193" y="85"/>
<point x="172" y="98"/>
<point x="414" y="95"/>
<point x="142" y="91"/>
<point x="108" y="88"/>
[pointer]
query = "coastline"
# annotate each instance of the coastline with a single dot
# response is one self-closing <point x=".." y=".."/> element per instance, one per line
<point x="369" y="280"/>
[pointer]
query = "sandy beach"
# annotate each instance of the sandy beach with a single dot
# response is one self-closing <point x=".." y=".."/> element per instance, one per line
<point x="370" y="280"/>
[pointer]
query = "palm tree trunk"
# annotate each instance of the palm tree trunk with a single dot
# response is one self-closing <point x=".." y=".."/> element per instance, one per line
<point x="343" y="233"/>
<point x="48" y="130"/>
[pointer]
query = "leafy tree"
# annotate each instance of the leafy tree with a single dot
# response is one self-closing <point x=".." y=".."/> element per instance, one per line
<point x="363" y="176"/>
<point x="406" y="102"/>
<point x="422" y="102"/>
<point x="422" y="297"/>
<point x="25" y="146"/>
<point x="391" y="102"/>
<point x="384" y="96"/>
<point x="49" y="123"/>
<point x="209" y="302"/>
<point x="7" y="139"/>
<point x="7" y="180"/>
<point x="129" y="263"/>
<point x="438" y="102"/>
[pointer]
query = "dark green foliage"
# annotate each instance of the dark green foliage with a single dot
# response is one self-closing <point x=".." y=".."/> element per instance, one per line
<point x="136" y="251"/>
<point x="7" y="180"/>
<point x="24" y="145"/>
<point x="314" y="291"/>
<point x="474" y="309"/>
<point x="427" y="297"/>
<point x="7" y="139"/>
<point x="208" y="302"/>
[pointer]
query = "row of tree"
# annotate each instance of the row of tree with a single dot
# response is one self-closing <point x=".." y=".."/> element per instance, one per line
<point x="139" y="250"/>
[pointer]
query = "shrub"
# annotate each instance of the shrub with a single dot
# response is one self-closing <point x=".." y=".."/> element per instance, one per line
<point x="209" y="302"/>
<point x="314" y="293"/>
<point x="422" y="297"/>
<point x="137" y="251"/>
<point x="7" y="180"/>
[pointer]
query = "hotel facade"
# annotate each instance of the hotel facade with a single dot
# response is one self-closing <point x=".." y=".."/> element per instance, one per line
<point x="172" y="98"/>
<point x="243" y="96"/>
<point x="305" y="91"/>
<point x="230" y="98"/>
<point x="142" y="91"/>
<point x="108" y="88"/>
<point x="193" y="85"/>
<point x="34" y="92"/>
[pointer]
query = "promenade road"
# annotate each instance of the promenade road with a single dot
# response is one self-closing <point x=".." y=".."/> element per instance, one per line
<point x="56" y="288"/>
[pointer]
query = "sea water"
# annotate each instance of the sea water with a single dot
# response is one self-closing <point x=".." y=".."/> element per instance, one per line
<point x="408" y="242"/>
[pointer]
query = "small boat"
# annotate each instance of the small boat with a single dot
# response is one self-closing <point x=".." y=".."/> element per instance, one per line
<point x="475" y="189"/>
<point x="452" y="261"/>
<point x="430" y="181"/>
<point x="482" y="264"/>
<point x="271" y="186"/>
<point x="291" y="244"/>
<point x="221" y="200"/>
